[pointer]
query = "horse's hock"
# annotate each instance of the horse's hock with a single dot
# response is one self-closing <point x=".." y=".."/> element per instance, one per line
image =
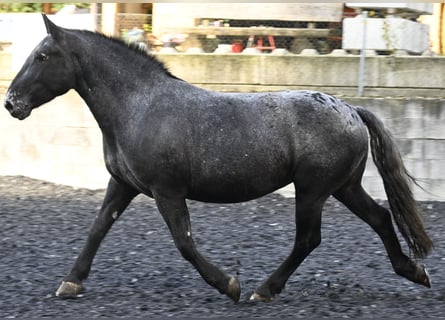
<point x="63" y="143"/>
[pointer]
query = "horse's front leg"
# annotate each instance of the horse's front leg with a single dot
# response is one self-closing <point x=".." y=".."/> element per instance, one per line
<point x="117" y="198"/>
<point x="176" y="215"/>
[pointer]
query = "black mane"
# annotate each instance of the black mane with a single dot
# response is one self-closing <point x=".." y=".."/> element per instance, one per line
<point x="148" y="59"/>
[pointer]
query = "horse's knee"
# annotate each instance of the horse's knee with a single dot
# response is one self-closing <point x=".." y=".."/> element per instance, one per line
<point x="314" y="241"/>
<point x="309" y="242"/>
<point x="186" y="248"/>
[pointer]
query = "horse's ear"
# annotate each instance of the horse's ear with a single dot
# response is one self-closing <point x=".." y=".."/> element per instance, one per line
<point x="51" y="28"/>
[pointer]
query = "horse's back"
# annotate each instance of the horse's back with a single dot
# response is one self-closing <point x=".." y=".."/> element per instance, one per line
<point x="306" y="121"/>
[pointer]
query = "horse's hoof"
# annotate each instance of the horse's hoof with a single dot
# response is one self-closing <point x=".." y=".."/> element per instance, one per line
<point x="258" y="297"/>
<point x="425" y="277"/>
<point x="234" y="289"/>
<point x="69" y="290"/>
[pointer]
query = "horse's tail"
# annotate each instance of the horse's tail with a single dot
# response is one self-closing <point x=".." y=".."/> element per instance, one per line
<point x="396" y="181"/>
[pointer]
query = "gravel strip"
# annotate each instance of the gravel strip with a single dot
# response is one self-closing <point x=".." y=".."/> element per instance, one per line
<point x="139" y="273"/>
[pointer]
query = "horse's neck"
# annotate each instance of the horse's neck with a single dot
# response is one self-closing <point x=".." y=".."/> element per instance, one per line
<point x="101" y="100"/>
<point x="107" y="86"/>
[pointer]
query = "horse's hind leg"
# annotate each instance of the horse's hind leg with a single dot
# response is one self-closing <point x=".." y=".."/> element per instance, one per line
<point x="308" y="237"/>
<point x="358" y="201"/>
<point x="176" y="215"/>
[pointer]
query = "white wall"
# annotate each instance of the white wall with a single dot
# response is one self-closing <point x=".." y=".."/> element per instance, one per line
<point x="28" y="29"/>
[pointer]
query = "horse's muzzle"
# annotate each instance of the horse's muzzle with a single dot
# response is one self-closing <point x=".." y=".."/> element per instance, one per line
<point x="17" y="110"/>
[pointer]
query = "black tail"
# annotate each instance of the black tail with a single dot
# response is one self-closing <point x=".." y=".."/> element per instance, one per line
<point x="396" y="181"/>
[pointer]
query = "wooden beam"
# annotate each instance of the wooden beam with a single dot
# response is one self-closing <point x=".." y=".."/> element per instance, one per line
<point x="47" y="8"/>
<point x="255" y="31"/>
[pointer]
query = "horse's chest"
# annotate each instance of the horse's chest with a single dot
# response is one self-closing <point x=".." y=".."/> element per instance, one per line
<point x="115" y="164"/>
<point x="119" y="164"/>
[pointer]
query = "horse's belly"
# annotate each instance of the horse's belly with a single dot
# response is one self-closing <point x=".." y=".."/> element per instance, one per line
<point x="228" y="195"/>
<point x="230" y="189"/>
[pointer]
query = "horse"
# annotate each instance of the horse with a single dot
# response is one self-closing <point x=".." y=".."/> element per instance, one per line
<point x="173" y="141"/>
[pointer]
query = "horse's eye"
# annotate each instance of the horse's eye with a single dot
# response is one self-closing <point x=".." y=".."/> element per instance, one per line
<point x="42" y="57"/>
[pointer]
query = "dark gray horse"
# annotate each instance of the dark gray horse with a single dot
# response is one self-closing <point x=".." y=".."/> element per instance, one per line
<point x="172" y="141"/>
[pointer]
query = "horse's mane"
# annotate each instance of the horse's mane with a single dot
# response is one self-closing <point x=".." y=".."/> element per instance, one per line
<point x="147" y="59"/>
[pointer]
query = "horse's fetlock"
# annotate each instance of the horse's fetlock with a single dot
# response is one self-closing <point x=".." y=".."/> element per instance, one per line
<point x="414" y="272"/>
<point x="234" y="289"/>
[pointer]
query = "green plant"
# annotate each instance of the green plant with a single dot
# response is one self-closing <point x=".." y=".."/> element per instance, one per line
<point x="36" y="7"/>
<point x="20" y="7"/>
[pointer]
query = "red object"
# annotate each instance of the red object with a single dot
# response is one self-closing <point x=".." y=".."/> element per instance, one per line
<point x="260" y="43"/>
<point x="237" y="47"/>
<point x="261" y="46"/>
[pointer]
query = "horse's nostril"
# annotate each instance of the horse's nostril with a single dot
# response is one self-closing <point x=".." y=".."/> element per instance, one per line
<point x="8" y="106"/>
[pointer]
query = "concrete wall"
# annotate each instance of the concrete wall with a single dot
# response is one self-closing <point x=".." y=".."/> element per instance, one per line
<point x="405" y="76"/>
<point x="418" y="124"/>
<point x="61" y="142"/>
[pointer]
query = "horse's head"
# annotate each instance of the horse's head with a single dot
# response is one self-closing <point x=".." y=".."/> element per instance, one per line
<point x="48" y="72"/>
